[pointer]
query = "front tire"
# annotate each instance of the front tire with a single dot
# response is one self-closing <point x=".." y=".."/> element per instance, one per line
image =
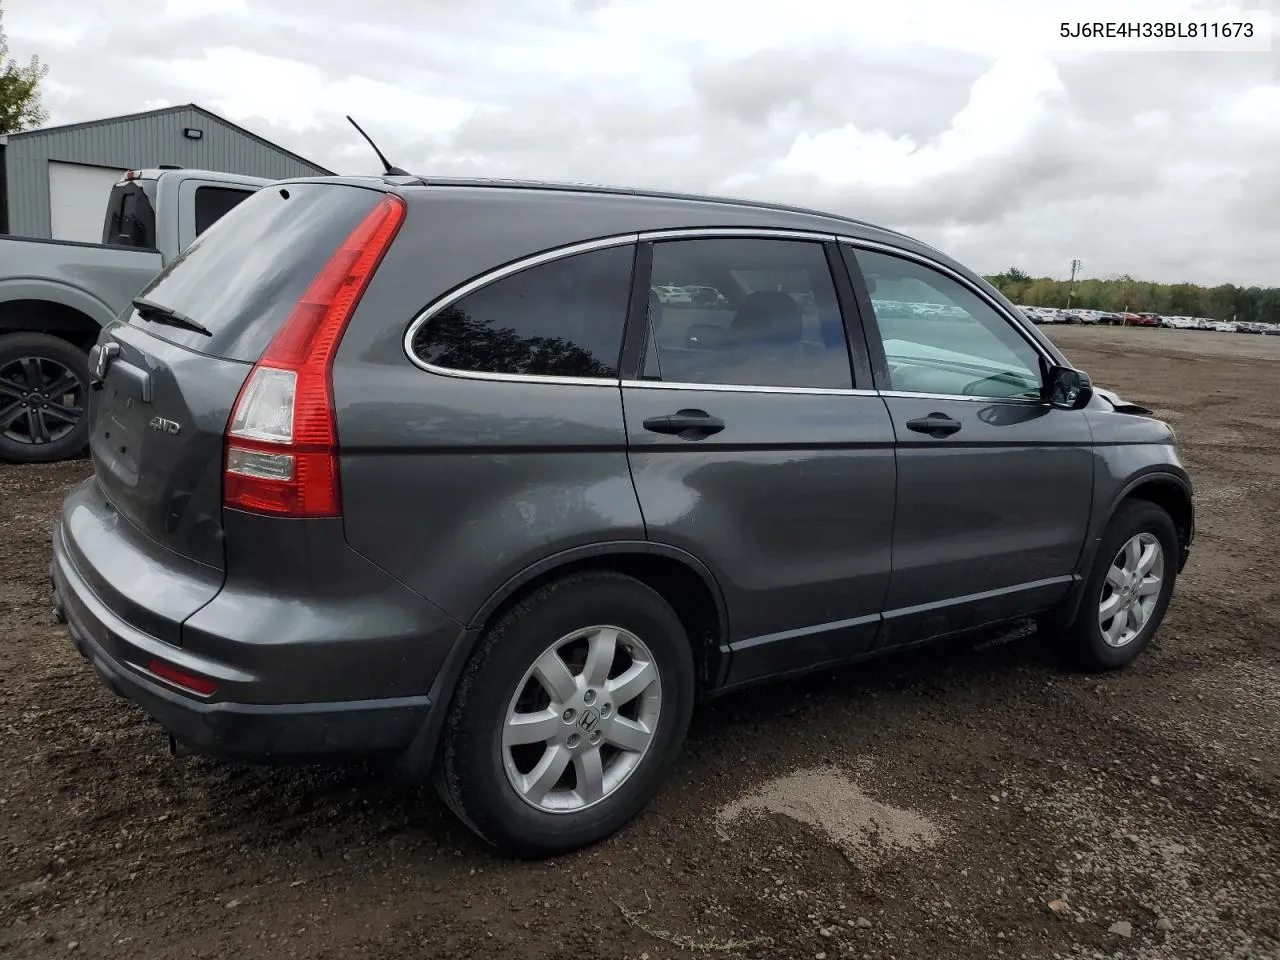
<point x="44" y="392"/>
<point x="568" y="716"/>
<point x="1128" y="590"/>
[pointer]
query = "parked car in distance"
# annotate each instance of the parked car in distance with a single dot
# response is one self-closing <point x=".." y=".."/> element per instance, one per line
<point x="670" y="294"/>
<point x="372" y="478"/>
<point x="56" y="296"/>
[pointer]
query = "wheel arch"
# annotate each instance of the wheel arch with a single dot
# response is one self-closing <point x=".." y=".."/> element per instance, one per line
<point x="63" y="311"/>
<point x="1168" y="490"/>
<point x="682" y="580"/>
<point x="1172" y="494"/>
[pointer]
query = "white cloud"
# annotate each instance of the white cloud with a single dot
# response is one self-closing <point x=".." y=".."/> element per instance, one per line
<point x="957" y="122"/>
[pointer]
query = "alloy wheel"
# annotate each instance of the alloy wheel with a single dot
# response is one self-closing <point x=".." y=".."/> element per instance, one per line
<point x="41" y="400"/>
<point x="1131" y="589"/>
<point x="581" y="719"/>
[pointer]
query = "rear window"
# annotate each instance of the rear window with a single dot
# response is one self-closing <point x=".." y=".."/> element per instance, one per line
<point x="214" y="203"/>
<point x="131" y="215"/>
<point x="241" y="280"/>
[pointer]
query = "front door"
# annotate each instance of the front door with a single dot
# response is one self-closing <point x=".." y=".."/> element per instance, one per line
<point x="751" y="449"/>
<point x="994" y="487"/>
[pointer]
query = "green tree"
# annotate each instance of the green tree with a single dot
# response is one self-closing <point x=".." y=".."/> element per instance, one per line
<point x="1184" y="300"/>
<point x="20" y="106"/>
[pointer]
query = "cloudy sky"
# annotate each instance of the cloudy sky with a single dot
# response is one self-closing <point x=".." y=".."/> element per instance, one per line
<point x="966" y="124"/>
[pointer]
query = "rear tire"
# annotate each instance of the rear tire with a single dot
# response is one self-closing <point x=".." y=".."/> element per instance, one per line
<point x="44" y="393"/>
<point x="1128" y="590"/>
<point x="602" y="628"/>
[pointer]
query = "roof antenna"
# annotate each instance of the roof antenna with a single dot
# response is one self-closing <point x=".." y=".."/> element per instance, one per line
<point x="390" y="170"/>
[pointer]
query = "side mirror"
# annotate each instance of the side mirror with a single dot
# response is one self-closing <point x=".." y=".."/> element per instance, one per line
<point x="1067" y="389"/>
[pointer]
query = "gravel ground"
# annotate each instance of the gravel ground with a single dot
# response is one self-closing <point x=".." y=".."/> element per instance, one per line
<point x="969" y="801"/>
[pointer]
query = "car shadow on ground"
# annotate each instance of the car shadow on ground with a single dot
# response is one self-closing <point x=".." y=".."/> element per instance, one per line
<point x="359" y="804"/>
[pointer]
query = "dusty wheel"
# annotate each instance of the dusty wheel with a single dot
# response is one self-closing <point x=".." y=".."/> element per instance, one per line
<point x="1128" y="590"/>
<point x="44" y="392"/>
<point x="568" y="716"/>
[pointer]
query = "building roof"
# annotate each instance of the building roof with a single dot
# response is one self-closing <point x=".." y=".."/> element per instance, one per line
<point x="62" y="128"/>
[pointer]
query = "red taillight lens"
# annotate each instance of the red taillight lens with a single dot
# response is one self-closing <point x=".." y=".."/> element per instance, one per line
<point x="180" y="678"/>
<point x="282" y="440"/>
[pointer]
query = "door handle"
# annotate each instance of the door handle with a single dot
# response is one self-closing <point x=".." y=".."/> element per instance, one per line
<point x="935" y="425"/>
<point x="687" y="424"/>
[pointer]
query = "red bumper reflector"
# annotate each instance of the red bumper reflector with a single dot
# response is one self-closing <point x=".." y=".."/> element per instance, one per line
<point x="188" y="681"/>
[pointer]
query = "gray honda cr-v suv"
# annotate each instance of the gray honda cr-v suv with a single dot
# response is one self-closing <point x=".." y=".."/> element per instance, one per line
<point x="431" y="470"/>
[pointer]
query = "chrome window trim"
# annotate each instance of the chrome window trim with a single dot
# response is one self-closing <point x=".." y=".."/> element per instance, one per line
<point x="960" y="278"/>
<point x="747" y="388"/>
<point x="735" y="233"/>
<point x="968" y="398"/>
<point x="972" y="288"/>
<point x="602" y="243"/>
<point x="493" y="276"/>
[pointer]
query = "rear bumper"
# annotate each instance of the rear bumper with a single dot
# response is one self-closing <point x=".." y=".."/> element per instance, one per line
<point x="334" y="660"/>
<point x="250" y="732"/>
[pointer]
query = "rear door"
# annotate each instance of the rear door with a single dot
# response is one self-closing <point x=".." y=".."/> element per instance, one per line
<point x="994" y="487"/>
<point x="166" y="392"/>
<point x="753" y="448"/>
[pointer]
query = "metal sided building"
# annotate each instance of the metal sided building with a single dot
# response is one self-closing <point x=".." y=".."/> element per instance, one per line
<point x="54" y="181"/>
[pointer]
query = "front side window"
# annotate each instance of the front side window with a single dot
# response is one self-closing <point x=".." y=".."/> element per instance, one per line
<point x="745" y="312"/>
<point x="559" y="319"/>
<point x="940" y="337"/>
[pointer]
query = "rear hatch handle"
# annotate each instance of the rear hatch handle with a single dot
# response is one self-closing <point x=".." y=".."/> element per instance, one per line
<point x="100" y="358"/>
<point x="103" y="358"/>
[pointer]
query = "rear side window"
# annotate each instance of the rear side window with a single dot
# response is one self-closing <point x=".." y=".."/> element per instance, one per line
<point x="745" y="312"/>
<point x="242" y="280"/>
<point x="131" y="215"/>
<point x="559" y="319"/>
<point x="213" y="203"/>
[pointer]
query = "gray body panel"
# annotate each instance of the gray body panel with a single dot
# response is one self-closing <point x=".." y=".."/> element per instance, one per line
<point x="482" y="476"/>
<point x="97" y="281"/>
<point x="990" y="520"/>
<point x="790" y="506"/>
<point x="167" y="485"/>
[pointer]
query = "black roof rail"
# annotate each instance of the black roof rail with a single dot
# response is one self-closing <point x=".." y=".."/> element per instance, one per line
<point x="655" y="194"/>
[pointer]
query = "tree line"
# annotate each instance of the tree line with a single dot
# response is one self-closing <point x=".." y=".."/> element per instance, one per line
<point x="1126" y="294"/>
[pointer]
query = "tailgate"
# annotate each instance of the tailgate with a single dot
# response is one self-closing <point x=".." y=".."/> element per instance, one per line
<point x="171" y="371"/>
<point x="157" y="439"/>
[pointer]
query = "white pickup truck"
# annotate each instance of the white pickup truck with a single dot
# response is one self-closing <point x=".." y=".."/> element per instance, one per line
<point x="55" y="296"/>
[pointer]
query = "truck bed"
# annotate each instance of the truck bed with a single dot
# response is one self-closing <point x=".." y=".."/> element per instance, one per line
<point x="96" y="279"/>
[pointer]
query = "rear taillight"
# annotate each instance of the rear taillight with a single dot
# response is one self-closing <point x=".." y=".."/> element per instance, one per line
<point x="282" y="439"/>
